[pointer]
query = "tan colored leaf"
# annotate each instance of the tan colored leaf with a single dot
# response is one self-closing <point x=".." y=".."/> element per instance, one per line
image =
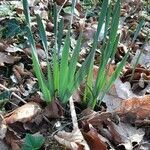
<point x="24" y="113"/>
<point x="138" y="107"/>
<point x="73" y="140"/>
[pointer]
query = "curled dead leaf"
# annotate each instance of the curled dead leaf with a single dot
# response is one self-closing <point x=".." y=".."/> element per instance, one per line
<point x="53" y="110"/>
<point x="73" y="140"/>
<point x="139" y="70"/>
<point x="21" y="73"/>
<point x="23" y="114"/>
<point x="93" y="139"/>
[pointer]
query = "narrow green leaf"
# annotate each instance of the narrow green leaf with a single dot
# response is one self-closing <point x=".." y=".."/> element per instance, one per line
<point x="115" y="75"/>
<point x="89" y="85"/>
<point x="55" y="19"/>
<point x="138" y="29"/>
<point x="26" y="11"/>
<point x="64" y="66"/>
<point x="43" y="38"/>
<point x="74" y="59"/>
<point x="107" y="22"/>
<point x="83" y="71"/>
<point x="56" y="72"/>
<point x="109" y="49"/>
<point x="37" y="68"/>
<point x="42" y="32"/>
<point x="36" y="64"/>
<point x="60" y="34"/>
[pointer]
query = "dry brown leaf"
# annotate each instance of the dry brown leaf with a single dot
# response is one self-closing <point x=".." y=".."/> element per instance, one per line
<point x="117" y="133"/>
<point x="104" y="124"/>
<point x="137" y="74"/>
<point x="138" y="107"/>
<point x="73" y="140"/>
<point x="5" y="58"/>
<point x="2" y="47"/>
<point x="53" y="110"/>
<point x="39" y="50"/>
<point x="23" y="114"/>
<point x="21" y="73"/>
<point x="13" y="140"/>
<point x="93" y="139"/>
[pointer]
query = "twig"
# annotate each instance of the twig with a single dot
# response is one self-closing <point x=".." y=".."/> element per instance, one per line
<point x="75" y="123"/>
<point x="73" y="114"/>
<point x="14" y="94"/>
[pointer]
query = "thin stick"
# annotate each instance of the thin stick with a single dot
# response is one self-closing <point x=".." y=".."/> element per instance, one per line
<point x="73" y="114"/>
<point x="75" y="125"/>
<point x="14" y="94"/>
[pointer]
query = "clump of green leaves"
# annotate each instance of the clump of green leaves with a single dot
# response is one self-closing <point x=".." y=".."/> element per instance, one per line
<point x="94" y="92"/>
<point x="108" y="51"/>
<point x="63" y="75"/>
<point x="33" y="142"/>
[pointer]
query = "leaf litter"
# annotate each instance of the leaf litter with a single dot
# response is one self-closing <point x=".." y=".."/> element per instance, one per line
<point x="121" y="122"/>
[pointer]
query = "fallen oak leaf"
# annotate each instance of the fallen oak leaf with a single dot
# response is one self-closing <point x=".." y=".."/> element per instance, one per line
<point x="118" y="134"/>
<point x="23" y="114"/>
<point x="138" y="107"/>
<point x="102" y="121"/>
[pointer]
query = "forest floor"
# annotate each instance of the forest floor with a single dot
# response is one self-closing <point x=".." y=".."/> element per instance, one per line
<point x="121" y="122"/>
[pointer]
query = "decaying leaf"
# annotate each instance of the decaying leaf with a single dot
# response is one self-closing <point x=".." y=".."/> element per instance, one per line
<point x="13" y="140"/>
<point x="123" y="90"/>
<point x="118" y="133"/>
<point x="73" y="140"/>
<point x="53" y="110"/>
<point x="21" y="73"/>
<point x="23" y="114"/>
<point x="137" y="107"/>
<point x="137" y="74"/>
<point x="2" y="47"/>
<point x="5" y="58"/>
<point x="131" y="137"/>
<point x="13" y="49"/>
<point x="93" y="139"/>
